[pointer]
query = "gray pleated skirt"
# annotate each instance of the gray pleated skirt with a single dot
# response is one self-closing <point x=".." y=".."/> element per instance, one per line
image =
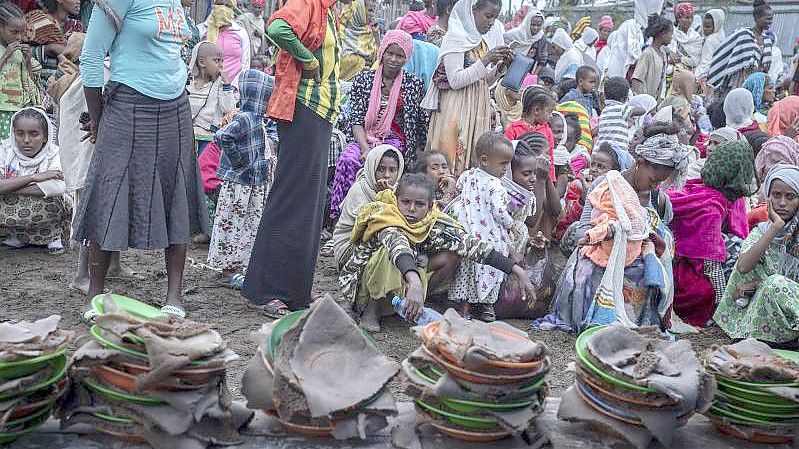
<point x="143" y="189"/>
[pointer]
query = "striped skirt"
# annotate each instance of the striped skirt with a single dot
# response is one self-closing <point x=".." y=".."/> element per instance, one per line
<point x="143" y="188"/>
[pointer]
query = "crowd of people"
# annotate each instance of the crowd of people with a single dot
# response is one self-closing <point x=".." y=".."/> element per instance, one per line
<point x="642" y="174"/>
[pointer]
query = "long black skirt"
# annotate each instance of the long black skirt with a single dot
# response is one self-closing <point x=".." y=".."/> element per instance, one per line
<point x="143" y="188"/>
<point x="284" y="255"/>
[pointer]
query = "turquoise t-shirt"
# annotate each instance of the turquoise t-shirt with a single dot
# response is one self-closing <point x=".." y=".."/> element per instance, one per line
<point x="145" y="53"/>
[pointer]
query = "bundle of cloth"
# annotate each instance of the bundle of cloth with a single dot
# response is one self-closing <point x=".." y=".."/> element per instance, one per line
<point x="475" y="381"/>
<point x="634" y="385"/>
<point x="159" y="380"/>
<point x="320" y="375"/>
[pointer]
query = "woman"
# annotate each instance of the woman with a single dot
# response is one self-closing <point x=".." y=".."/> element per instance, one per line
<point x="716" y="138"/>
<point x="622" y="270"/>
<point x="418" y="23"/>
<point x="384" y="112"/>
<point x="232" y="38"/>
<point x="763" y="95"/>
<point x="714" y="35"/>
<point x="625" y="44"/>
<point x="745" y="51"/>
<point x="305" y="104"/>
<point x="586" y="44"/>
<point x="48" y="30"/>
<point x="709" y="225"/>
<point x="359" y="45"/>
<point x="776" y="150"/>
<point x="637" y="113"/>
<point x="739" y="108"/>
<point x="604" y="27"/>
<point x="686" y="42"/>
<point x="436" y="34"/>
<point x="569" y="57"/>
<point x="472" y="53"/>
<point x="136" y="194"/>
<point x="762" y="297"/>
<point x="783" y="117"/>
<point x="528" y="38"/>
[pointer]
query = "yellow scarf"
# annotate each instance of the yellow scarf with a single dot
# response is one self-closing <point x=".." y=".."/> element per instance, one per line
<point x="221" y="16"/>
<point x="384" y="213"/>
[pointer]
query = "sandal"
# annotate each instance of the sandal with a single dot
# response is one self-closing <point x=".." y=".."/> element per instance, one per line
<point x="235" y="282"/>
<point x="487" y="314"/>
<point x="56" y="251"/>
<point x="273" y="309"/>
<point x="89" y="316"/>
<point x="327" y="249"/>
<point x="169" y="309"/>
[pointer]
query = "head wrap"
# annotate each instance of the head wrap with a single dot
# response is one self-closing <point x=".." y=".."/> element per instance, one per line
<point x="581" y="25"/>
<point x="561" y="39"/>
<point x="28" y="165"/>
<point x="683" y="9"/>
<point x="739" y="106"/>
<point x="358" y="34"/>
<point x="521" y="34"/>
<point x="666" y="150"/>
<point x="756" y="83"/>
<point x="730" y="170"/>
<point x="379" y="126"/>
<point x="788" y="259"/>
<point x="781" y="114"/>
<point x="586" y="139"/>
<point x="728" y="134"/>
<point x="789" y="174"/>
<point x="777" y="150"/>
<point x="221" y="16"/>
<point x="258" y="2"/>
<point x="589" y="36"/>
<point x="623" y="157"/>
<point x="605" y="22"/>
<point x="719" y="17"/>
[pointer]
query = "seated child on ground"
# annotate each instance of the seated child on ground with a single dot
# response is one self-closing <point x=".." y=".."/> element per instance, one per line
<point x="435" y="166"/>
<point x="33" y="207"/>
<point x="401" y="241"/>
<point x="384" y="164"/>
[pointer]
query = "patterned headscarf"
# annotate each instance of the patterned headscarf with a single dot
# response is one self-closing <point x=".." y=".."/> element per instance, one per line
<point x="683" y="9"/>
<point x="581" y="25"/>
<point x="756" y="83"/>
<point x="666" y="150"/>
<point x="777" y="150"/>
<point x="788" y="260"/>
<point x="730" y="170"/>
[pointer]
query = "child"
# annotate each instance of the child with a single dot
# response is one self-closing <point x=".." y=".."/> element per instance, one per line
<point x="546" y="195"/>
<point x="253" y="22"/>
<point x="484" y="212"/>
<point x="34" y="209"/>
<point x="537" y="107"/>
<point x="649" y="76"/>
<point x="246" y="169"/>
<point x="612" y="127"/>
<point x="384" y="164"/>
<point x="210" y="95"/>
<point x="17" y="88"/>
<point x="584" y="92"/>
<point x="434" y="165"/>
<point x="398" y="239"/>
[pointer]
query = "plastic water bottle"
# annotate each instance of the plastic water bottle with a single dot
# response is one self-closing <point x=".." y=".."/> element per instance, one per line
<point x="428" y="315"/>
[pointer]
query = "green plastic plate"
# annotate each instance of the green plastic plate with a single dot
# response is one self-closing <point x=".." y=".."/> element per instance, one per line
<point x="741" y="419"/>
<point x="112" y="418"/>
<point x="59" y="365"/>
<point x="581" y="347"/>
<point x="467" y="422"/>
<point x="97" y="333"/>
<point x="118" y="395"/>
<point x="790" y="355"/>
<point x="286" y="322"/>
<point x="765" y="416"/>
<point x="752" y="393"/>
<point x="464" y="406"/>
<point x="33" y="421"/>
<point x="20" y="368"/>
<point x="131" y="306"/>
<point x="758" y="406"/>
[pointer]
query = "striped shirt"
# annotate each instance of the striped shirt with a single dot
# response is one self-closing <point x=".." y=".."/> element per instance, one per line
<point x="324" y="98"/>
<point x="612" y="128"/>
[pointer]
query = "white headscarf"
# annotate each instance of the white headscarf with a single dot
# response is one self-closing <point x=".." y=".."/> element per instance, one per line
<point x="645" y="8"/>
<point x="712" y="42"/>
<point x="687" y="44"/>
<point x="589" y="36"/>
<point x="520" y="39"/>
<point x="642" y="101"/>
<point x="570" y="60"/>
<point x="562" y="39"/>
<point x="13" y="160"/>
<point x="739" y="106"/>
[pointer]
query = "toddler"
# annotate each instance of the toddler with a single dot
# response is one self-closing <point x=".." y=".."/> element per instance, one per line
<point x="210" y="95"/>
<point x="585" y="93"/>
<point x="537" y="106"/>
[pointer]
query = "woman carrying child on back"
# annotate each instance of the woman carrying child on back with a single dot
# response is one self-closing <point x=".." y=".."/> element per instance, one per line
<point x="17" y="86"/>
<point x="398" y="239"/>
<point x="33" y="207"/>
<point x="246" y="168"/>
<point x="210" y="94"/>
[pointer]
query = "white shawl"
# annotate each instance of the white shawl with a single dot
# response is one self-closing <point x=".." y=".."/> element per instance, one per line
<point x="625" y="44"/>
<point x="13" y="163"/>
<point x="688" y="46"/>
<point x="570" y="60"/>
<point x="520" y="39"/>
<point x="711" y="42"/>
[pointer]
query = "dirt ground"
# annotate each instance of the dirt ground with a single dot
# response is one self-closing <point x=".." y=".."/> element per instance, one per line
<point x="34" y="285"/>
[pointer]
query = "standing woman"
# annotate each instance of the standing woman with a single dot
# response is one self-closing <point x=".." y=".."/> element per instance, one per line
<point x="143" y="187"/>
<point x="528" y="38"/>
<point x="305" y="103"/>
<point x="626" y="43"/>
<point x="745" y="51"/>
<point x="687" y="42"/>
<point x="472" y="53"/>
<point x="713" y="30"/>
<point x="604" y="27"/>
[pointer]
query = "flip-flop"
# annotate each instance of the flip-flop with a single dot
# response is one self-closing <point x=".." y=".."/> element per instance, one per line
<point x="235" y="282"/>
<point x="327" y="249"/>
<point x="56" y="251"/>
<point x="169" y="309"/>
<point x="273" y="309"/>
<point x="89" y="316"/>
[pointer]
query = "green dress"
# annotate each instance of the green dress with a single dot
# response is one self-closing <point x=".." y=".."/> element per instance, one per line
<point x="773" y="312"/>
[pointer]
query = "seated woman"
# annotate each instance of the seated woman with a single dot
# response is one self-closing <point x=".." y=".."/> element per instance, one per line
<point x="783" y="118"/>
<point x="763" y="94"/>
<point x="401" y="240"/>
<point x="739" y="110"/>
<point x="709" y="225"/>
<point x="384" y="165"/>
<point x="385" y="109"/>
<point x="621" y="271"/>
<point x="33" y="207"/>
<point x="762" y="297"/>
<point x="716" y="138"/>
<point x="776" y="150"/>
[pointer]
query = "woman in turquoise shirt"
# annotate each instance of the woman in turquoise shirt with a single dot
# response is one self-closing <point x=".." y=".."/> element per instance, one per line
<point x="143" y="188"/>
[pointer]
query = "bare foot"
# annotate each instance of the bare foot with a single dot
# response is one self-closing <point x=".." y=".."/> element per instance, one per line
<point x="370" y="320"/>
<point x="201" y="239"/>
<point x="80" y="284"/>
<point x="123" y="271"/>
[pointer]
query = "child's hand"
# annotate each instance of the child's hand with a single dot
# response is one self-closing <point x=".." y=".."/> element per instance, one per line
<point x="542" y="167"/>
<point x="529" y="290"/>
<point x="47" y="175"/>
<point x="774" y="217"/>
<point x="26" y="51"/>
<point x="383" y="184"/>
<point x="11" y="48"/>
<point x="414" y="299"/>
<point x="538" y="241"/>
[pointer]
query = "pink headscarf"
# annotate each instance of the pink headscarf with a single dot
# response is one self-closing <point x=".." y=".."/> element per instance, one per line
<point x="376" y="131"/>
<point x="605" y="22"/>
<point x="777" y="150"/>
<point x="683" y="9"/>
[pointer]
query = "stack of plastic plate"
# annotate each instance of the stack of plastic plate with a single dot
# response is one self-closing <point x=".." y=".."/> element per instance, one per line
<point x="32" y="404"/>
<point x="753" y="412"/>
<point x="472" y="418"/>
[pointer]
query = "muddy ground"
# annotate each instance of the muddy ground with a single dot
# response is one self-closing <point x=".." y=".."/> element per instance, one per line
<point x="34" y="285"/>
